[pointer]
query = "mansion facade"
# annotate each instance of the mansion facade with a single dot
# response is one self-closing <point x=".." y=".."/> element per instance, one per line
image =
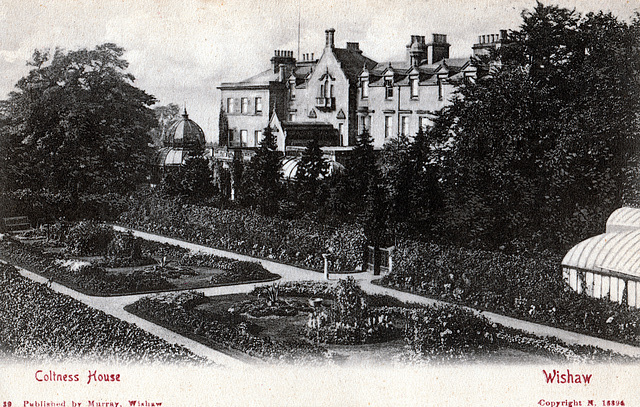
<point x="337" y="96"/>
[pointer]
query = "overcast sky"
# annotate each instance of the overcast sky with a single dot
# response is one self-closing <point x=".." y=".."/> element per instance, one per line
<point x="180" y="50"/>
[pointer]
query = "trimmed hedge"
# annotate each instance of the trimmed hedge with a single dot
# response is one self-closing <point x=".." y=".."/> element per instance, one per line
<point x="522" y="287"/>
<point x="297" y="242"/>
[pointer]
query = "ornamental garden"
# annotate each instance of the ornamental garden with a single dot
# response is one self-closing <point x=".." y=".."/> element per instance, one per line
<point x="479" y="211"/>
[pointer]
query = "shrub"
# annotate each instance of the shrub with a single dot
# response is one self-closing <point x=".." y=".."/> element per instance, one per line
<point x="450" y="331"/>
<point x="524" y="287"/>
<point x="125" y="250"/>
<point x="88" y="238"/>
<point x="349" y="320"/>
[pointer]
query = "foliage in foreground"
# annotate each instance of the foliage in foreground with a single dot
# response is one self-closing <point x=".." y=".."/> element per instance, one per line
<point x="514" y="285"/>
<point x="38" y="323"/>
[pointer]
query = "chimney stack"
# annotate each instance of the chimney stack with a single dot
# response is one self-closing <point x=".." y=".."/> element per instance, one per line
<point x="354" y="46"/>
<point x="282" y="58"/>
<point x="330" y="38"/>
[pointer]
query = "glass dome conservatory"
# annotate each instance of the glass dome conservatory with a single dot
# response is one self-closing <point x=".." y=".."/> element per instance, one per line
<point x="608" y="265"/>
<point x="182" y="139"/>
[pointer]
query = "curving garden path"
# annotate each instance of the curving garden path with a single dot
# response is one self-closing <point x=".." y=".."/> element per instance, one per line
<point x="114" y="305"/>
<point x="292" y="273"/>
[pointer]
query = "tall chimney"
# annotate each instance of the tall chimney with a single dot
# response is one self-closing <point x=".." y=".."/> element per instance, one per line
<point x="329" y="38"/>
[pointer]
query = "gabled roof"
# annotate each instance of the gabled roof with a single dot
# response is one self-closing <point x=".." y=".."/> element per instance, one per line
<point x="428" y="73"/>
<point x="352" y="62"/>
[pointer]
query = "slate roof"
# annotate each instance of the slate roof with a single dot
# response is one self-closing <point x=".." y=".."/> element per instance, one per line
<point x="427" y="72"/>
<point x="352" y="62"/>
<point x="263" y="78"/>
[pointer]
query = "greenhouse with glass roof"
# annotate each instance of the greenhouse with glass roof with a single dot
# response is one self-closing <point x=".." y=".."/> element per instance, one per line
<point x="608" y="265"/>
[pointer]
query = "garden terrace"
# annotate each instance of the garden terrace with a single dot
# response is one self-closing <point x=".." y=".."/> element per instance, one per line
<point x="519" y="286"/>
<point x="296" y="242"/>
<point x="38" y="323"/>
<point x="99" y="261"/>
<point x="302" y="322"/>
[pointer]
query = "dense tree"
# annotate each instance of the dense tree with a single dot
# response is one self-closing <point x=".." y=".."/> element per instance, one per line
<point x="539" y="152"/>
<point x="349" y="197"/>
<point x="312" y="169"/>
<point x="78" y="125"/>
<point x="193" y="180"/>
<point x="262" y="180"/>
<point x="165" y="115"/>
<point x="223" y="128"/>
<point x="409" y="177"/>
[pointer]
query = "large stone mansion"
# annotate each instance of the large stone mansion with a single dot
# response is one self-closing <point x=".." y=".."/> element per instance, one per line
<point x="337" y="96"/>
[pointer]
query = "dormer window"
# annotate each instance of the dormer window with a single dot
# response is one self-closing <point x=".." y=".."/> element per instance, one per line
<point x="388" y="88"/>
<point x="414" y="87"/>
<point x="365" y="88"/>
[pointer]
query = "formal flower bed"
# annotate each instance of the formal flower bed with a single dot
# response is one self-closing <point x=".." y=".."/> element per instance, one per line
<point x="87" y="277"/>
<point x="128" y="264"/>
<point x="513" y="285"/>
<point x="38" y="323"/>
<point x="243" y="271"/>
<point x="221" y="330"/>
<point x="295" y="333"/>
<point x="298" y="242"/>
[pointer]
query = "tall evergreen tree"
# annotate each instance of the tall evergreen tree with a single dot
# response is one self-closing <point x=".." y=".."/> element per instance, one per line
<point x="263" y="177"/>
<point x="223" y="128"/>
<point x="350" y="195"/>
<point x="312" y="169"/>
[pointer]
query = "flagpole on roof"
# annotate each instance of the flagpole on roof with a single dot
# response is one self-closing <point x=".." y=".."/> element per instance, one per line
<point x="298" y="31"/>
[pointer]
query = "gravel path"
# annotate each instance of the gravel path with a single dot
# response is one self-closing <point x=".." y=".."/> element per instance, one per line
<point x="291" y="273"/>
<point x="115" y="305"/>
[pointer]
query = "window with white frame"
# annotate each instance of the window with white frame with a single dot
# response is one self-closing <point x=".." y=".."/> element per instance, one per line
<point x="258" y="105"/>
<point x="388" y="126"/>
<point x="405" y="125"/>
<point x="244" y="134"/>
<point x="365" y="89"/>
<point x="230" y="105"/>
<point x="244" y="105"/>
<point x="414" y="88"/>
<point x="257" y="135"/>
<point x="388" y="88"/>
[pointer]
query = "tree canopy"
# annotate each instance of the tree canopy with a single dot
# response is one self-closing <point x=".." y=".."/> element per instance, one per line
<point x="261" y="182"/>
<point x="77" y="124"/>
<point x="543" y="148"/>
